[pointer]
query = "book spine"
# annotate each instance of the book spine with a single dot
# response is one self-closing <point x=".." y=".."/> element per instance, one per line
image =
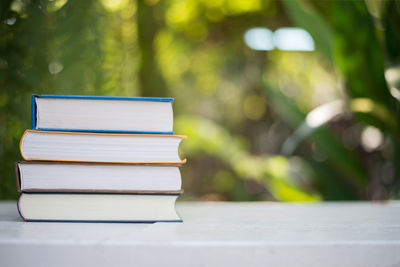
<point x="33" y="112"/>
<point x="19" y="207"/>
<point x="17" y="176"/>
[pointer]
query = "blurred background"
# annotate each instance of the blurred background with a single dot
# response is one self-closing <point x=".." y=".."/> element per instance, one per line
<point x="281" y="100"/>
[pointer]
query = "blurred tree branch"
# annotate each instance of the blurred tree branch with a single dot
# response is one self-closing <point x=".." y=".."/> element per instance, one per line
<point x="151" y="81"/>
<point x="4" y="9"/>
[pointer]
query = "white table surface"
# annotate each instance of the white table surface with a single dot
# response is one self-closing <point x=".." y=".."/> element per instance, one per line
<point x="214" y="234"/>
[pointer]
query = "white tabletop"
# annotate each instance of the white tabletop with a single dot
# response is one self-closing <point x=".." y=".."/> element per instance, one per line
<point x="214" y="234"/>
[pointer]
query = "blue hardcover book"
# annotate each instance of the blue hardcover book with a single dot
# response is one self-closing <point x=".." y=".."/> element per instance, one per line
<point x="112" y="114"/>
<point x="98" y="207"/>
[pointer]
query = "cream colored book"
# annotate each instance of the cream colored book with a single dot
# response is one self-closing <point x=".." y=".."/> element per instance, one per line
<point x="78" y="207"/>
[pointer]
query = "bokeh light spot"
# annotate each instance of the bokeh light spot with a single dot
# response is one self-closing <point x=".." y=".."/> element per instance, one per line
<point x="371" y="138"/>
<point x="259" y="39"/>
<point x="55" y="67"/>
<point x="112" y="5"/>
<point x="293" y="39"/>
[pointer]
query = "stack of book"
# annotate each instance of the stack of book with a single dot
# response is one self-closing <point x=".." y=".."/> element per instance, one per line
<point x="99" y="159"/>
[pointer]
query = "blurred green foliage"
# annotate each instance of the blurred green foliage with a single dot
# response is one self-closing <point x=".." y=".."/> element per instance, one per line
<point x="275" y="125"/>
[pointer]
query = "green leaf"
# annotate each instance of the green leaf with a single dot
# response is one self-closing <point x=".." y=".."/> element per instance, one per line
<point x="341" y="157"/>
<point x="313" y="23"/>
